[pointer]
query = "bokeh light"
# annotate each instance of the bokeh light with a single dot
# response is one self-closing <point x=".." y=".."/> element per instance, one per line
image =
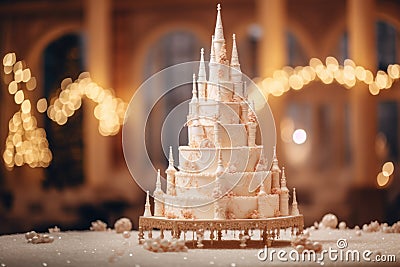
<point x="387" y="168"/>
<point x="347" y="75"/>
<point x="110" y="110"/>
<point x="382" y="180"/>
<point x="299" y="136"/>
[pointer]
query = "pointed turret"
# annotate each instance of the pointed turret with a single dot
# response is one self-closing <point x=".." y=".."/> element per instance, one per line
<point x="284" y="196"/>
<point x="147" y="210"/>
<point x="171" y="174"/>
<point x="158" y="197"/>
<point x="283" y="181"/>
<point x="235" y="57"/>
<point x="275" y="171"/>
<point x="158" y="182"/>
<point x="219" y="39"/>
<point x="212" y="77"/>
<point x="193" y="105"/>
<point x="202" y="68"/>
<point x="295" y="209"/>
<point x="202" y="79"/>
<point x="171" y="161"/>
<point x="235" y="71"/>
<point x="194" y="89"/>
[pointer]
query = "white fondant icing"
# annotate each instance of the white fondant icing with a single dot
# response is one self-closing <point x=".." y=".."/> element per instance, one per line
<point x="223" y="174"/>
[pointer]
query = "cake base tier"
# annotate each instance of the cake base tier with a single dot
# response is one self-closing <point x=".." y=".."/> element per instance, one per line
<point x="270" y="227"/>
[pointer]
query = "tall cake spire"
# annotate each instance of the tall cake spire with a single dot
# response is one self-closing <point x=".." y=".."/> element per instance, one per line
<point x="283" y="180"/>
<point x="275" y="166"/>
<point x="235" y="57"/>
<point x="284" y="196"/>
<point x="202" y="68"/>
<point x="194" y="90"/>
<point x="158" y="197"/>
<point x="219" y="39"/>
<point x="147" y="211"/>
<point x="295" y="209"/>
<point x="170" y="171"/>
<point x="201" y="77"/>
<point x="171" y="157"/>
<point x="158" y="181"/>
<point x="212" y="65"/>
<point x="275" y="171"/>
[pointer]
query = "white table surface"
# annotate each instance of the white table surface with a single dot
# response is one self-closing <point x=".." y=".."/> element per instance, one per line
<point x="87" y="248"/>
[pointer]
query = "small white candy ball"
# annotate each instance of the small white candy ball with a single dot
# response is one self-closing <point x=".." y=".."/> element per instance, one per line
<point x="300" y="248"/>
<point x="342" y="225"/>
<point x="123" y="224"/>
<point x="329" y="221"/>
<point x="126" y="234"/>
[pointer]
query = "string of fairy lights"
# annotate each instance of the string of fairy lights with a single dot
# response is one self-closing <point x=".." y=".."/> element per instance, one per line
<point x="347" y="75"/>
<point x="109" y="110"/>
<point x="27" y="144"/>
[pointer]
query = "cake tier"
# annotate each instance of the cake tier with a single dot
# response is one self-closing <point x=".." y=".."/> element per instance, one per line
<point x="234" y="159"/>
<point x="236" y="207"/>
<point x="231" y="135"/>
<point x="226" y="112"/>
<point x="203" y="184"/>
<point x="189" y="207"/>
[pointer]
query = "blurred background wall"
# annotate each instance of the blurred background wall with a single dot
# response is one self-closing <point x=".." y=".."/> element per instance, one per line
<point x="350" y="133"/>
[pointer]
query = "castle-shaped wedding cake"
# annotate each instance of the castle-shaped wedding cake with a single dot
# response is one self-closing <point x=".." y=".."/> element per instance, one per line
<point x="222" y="159"/>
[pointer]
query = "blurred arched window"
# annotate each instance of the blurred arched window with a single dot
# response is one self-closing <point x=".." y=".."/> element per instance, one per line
<point x="386" y="41"/>
<point x="296" y="54"/>
<point x="63" y="58"/>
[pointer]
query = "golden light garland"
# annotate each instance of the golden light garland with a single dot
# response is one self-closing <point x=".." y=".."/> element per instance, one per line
<point x="109" y="110"/>
<point x="347" y="75"/>
<point x="26" y="143"/>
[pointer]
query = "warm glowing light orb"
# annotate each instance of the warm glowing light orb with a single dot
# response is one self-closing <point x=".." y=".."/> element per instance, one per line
<point x="299" y="136"/>
<point x="19" y="97"/>
<point x="382" y="179"/>
<point x="387" y="169"/>
<point x="41" y="105"/>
